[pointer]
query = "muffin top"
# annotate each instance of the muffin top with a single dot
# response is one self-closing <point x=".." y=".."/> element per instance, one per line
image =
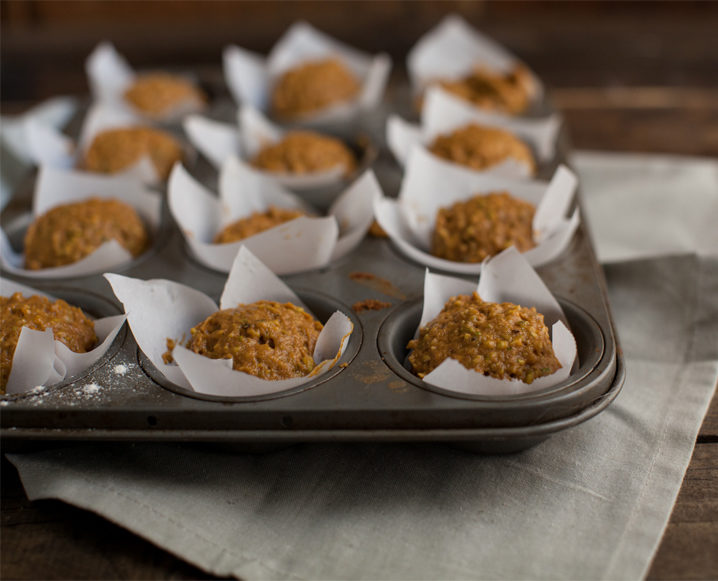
<point x="480" y="147"/>
<point x="500" y="340"/>
<point x="267" y="339"/>
<point x="114" y="150"/>
<point x="69" y="232"/>
<point x="484" y="225"/>
<point x="256" y="223"/>
<point x="301" y="152"/>
<point x="69" y="325"/>
<point x="157" y="94"/>
<point x="311" y="87"/>
<point x="502" y="92"/>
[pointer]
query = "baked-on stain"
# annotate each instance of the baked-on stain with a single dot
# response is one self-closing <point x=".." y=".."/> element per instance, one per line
<point x="377" y="283"/>
<point x="369" y="305"/>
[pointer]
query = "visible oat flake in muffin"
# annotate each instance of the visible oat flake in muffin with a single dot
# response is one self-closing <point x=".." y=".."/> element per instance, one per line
<point x="158" y="93"/>
<point x="484" y="225"/>
<point x="313" y="86"/>
<point x="501" y="340"/>
<point x="69" y="325"/>
<point x="301" y="152"/>
<point x="114" y="150"/>
<point x="267" y="339"/>
<point x="70" y="232"/>
<point x="256" y="223"/>
<point x="480" y="147"/>
<point x="504" y="92"/>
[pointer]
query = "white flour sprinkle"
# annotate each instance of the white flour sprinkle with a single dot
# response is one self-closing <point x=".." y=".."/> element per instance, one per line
<point x="91" y="388"/>
<point x="38" y="388"/>
<point x="120" y="369"/>
<point x="3" y="403"/>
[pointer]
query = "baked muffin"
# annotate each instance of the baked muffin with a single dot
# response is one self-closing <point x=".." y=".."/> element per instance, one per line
<point x="482" y="226"/>
<point x="157" y="94"/>
<point x="69" y="325"/>
<point x="500" y="340"/>
<point x="502" y="92"/>
<point x="267" y="339"/>
<point x="114" y="150"/>
<point x="69" y="232"/>
<point x="480" y="147"/>
<point x="301" y="152"/>
<point x="311" y="87"/>
<point x="256" y="223"/>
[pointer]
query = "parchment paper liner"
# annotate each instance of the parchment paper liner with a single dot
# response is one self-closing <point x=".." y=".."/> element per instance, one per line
<point x="110" y="75"/>
<point x="452" y="50"/>
<point x="443" y="113"/>
<point x="40" y="360"/>
<point x="430" y="184"/>
<point x="301" y="244"/>
<point x="218" y="141"/>
<point x="161" y="309"/>
<point x="55" y="187"/>
<point x="507" y="277"/>
<point x="48" y="146"/>
<point x="250" y="76"/>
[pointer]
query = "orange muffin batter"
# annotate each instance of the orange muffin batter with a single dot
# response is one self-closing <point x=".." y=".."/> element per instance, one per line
<point x="256" y="223"/>
<point x="500" y="340"/>
<point x="301" y="152"/>
<point x="157" y="93"/>
<point x="69" y="325"/>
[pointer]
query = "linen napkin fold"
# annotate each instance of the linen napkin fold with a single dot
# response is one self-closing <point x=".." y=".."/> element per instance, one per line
<point x="589" y="503"/>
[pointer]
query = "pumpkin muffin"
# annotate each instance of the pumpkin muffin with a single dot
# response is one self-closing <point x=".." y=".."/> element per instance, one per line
<point x="256" y="223"/>
<point x="301" y="152"/>
<point x="502" y="92"/>
<point x="500" y="340"/>
<point x="267" y="339"/>
<point x="69" y="325"/>
<point x="480" y="147"/>
<point x="311" y="87"/>
<point x="482" y="226"/>
<point x="115" y="150"/>
<point x="157" y="94"/>
<point x="70" y="232"/>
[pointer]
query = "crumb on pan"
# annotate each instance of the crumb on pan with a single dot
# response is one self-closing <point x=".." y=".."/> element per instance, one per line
<point x="369" y="305"/>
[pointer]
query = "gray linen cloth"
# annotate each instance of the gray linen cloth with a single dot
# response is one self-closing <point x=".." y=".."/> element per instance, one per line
<point x="589" y="503"/>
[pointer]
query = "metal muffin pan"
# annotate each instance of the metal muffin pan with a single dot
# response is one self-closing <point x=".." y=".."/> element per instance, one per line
<point x="369" y="396"/>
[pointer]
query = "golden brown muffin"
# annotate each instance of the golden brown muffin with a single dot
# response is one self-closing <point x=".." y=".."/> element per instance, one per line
<point x="311" y="87"/>
<point x="256" y="223"/>
<point x="114" y="150"/>
<point x="480" y="147"/>
<point x="266" y="339"/>
<point x="69" y="325"/>
<point x="500" y="340"/>
<point x="482" y="226"/>
<point x="157" y="94"/>
<point x="68" y="233"/>
<point x="301" y="152"/>
<point x="503" y="92"/>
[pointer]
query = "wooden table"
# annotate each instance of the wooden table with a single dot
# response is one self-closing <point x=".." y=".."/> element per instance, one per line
<point x="627" y="78"/>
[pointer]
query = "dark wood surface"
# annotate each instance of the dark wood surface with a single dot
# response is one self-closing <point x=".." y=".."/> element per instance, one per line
<point x="627" y="76"/>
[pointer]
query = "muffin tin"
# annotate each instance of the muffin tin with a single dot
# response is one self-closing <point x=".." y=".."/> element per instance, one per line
<point x="369" y="396"/>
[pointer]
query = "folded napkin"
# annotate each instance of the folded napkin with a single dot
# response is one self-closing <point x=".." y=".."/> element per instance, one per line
<point x="589" y="503"/>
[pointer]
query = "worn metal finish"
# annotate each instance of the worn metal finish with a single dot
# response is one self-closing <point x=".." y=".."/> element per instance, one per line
<point x="369" y="397"/>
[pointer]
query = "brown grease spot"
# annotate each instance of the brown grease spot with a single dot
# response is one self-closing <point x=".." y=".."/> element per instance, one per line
<point x="377" y="283"/>
<point x="370" y="305"/>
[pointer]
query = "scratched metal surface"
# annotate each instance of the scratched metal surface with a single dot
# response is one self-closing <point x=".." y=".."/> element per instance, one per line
<point x="370" y="397"/>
